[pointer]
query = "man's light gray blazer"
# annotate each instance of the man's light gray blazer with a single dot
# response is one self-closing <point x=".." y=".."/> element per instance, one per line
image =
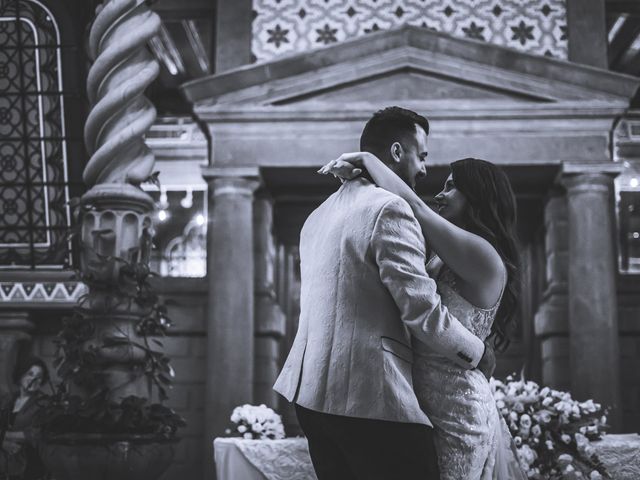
<point x="364" y="288"/>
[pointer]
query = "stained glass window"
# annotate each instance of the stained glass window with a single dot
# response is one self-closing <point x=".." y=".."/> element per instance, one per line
<point x="34" y="191"/>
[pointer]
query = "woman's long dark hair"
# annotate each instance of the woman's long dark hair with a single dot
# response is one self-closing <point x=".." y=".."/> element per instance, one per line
<point x="492" y="214"/>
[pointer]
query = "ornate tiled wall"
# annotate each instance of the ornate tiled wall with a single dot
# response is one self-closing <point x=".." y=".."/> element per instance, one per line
<point x="287" y="26"/>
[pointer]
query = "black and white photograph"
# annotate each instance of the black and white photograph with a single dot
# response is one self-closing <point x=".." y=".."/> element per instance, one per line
<point x="319" y="239"/>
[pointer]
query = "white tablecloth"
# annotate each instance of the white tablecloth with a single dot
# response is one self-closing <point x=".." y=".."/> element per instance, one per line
<point x="288" y="459"/>
<point x="621" y="455"/>
<point x="239" y="459"/>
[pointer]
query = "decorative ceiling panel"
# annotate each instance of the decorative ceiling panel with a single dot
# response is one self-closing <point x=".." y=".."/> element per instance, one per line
<point x="293" y="26"/>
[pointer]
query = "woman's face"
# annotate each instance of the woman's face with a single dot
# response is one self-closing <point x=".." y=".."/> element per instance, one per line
<point x="31" y="380"/>
<point x="451" y="202"/>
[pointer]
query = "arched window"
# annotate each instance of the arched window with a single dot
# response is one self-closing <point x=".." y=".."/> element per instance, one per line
<point x="34" y="191"/>
<point x="186" y="255"/>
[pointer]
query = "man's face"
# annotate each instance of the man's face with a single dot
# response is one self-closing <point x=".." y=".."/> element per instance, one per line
<point x="412" y="158"/>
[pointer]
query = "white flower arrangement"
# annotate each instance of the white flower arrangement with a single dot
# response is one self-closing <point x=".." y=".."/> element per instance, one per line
<point x="256" y="422"/>
<point x="551" y="431"/>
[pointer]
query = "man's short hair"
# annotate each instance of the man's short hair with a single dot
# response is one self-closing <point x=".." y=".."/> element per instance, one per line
<point x="387" y="126"/>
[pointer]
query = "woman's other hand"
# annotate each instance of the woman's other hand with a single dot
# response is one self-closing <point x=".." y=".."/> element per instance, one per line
<point x="347" y="166"/>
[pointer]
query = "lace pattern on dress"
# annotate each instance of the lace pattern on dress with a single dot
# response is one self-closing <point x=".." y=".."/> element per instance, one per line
<point x="470" y="437"/>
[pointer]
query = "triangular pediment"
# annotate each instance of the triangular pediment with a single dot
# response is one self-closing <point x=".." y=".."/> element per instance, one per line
<point x="410" y="63"/>
<point x="406" y="84"/>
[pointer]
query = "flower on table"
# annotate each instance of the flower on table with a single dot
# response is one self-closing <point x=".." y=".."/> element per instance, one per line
<point x="257" y="427"/>
<point x="525" y="421"/>
<point x="256" y="422"/>
<point x="565" y="459"/>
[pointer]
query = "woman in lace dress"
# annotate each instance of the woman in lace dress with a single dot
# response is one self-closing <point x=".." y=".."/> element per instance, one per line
<point x="474" y="264"/>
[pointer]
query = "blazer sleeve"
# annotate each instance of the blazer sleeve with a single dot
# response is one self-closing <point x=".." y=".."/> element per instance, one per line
<point x="398" y="246"/>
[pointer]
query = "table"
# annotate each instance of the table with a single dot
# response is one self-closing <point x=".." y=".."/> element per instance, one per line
<point x="239" y="459"/>
<point x="288" y="459"/>
<point x="621" y="455"/>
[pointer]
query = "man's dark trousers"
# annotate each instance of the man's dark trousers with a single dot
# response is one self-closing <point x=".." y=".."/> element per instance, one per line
<point x="347" y="448"/>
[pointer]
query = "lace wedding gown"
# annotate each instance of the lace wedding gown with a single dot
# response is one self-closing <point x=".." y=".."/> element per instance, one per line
<point x="472" y="440"/>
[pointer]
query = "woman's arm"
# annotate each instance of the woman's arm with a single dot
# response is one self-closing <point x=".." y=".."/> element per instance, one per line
<point x="470" y="256"/>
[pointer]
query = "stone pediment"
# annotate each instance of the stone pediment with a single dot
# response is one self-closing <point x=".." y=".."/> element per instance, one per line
<point x="482" y="100"/>
<point x="409" y="64"/>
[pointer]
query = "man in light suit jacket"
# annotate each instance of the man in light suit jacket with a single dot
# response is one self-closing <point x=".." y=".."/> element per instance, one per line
<point x="364" y="292"/>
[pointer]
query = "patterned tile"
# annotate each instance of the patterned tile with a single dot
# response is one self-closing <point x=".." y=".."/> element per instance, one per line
<point x="30" y="292"/>
<point x="288" y="26"/>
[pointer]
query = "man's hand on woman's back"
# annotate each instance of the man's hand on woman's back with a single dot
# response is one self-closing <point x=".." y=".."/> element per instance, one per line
<point x="487" y="364"/>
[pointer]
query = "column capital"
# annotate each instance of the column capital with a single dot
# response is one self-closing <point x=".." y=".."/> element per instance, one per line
<point x="19" y="321"/>
<point x="589" y="177"/>
<point x="232" y="181"/>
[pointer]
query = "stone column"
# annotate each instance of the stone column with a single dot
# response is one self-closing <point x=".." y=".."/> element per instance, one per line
<point x="270" y="320"/>
<point x="233" y="34"/>
<point x="230" y="323"/>
<point x="593" y="317"/>
<point x="117" y="215"/>
<point x="551" y="323"/>
<point x="587" y="32"/>
<point x="15" y="328"/>
<point x="290" y="286"/>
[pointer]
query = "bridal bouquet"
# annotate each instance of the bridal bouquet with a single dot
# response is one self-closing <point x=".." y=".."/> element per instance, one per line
<point x="256" y="422"/>
<point x="551" y="430"/>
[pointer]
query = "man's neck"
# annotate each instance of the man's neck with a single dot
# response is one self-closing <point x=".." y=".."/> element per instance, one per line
<point x="366" y="176"/>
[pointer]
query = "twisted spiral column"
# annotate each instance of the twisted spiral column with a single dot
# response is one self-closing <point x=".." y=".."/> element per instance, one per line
<point x="118" y="224"/>
<point x="114" y="133"/>
<point x="120" y="113"/>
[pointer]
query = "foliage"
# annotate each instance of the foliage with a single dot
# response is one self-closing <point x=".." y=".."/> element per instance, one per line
<point x="101" y="327"/>
<point x="551" y="431"/>
<point x="64" y="413"/>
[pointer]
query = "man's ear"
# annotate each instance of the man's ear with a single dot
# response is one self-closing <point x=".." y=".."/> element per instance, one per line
<point x="396" y="152"/>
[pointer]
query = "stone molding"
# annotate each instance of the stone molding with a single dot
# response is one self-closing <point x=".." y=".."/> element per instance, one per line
<point x="430" y="52"/>
<point x="242" y="181"/>
<point x="579" y="183"/>
<point x="41" y="293"/>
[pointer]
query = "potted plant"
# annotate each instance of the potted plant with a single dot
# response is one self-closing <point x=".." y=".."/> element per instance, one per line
<point x="106" y="417"/>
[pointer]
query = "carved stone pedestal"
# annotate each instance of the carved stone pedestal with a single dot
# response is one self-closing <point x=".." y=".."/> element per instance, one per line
<point x="15" y="328"/>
